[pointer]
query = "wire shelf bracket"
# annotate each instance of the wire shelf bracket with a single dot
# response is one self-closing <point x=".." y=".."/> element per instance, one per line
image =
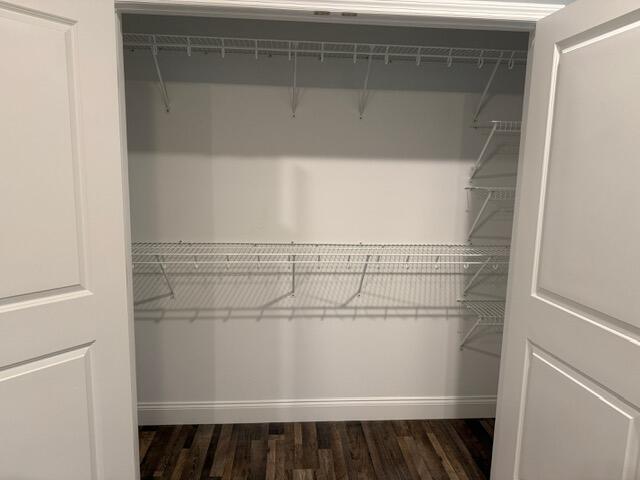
<point x="473" y="279"/>
<point x="293" y="275"/>
<point x="497" y="127"/>
<point x="364" y="93"/>
<point x="166" y="277"/>
<point x="295" y="93"/>
<point x="489" y="313"/>
<point x="163" y="87"/>
<point x="492" y="77"/>
<point x="491" y="194"/>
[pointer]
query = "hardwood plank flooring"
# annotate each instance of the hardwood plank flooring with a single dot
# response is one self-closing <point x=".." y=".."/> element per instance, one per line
<point x="398" y="450"/>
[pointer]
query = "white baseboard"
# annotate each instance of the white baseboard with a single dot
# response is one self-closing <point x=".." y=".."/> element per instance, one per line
<point x="329" y="409"/>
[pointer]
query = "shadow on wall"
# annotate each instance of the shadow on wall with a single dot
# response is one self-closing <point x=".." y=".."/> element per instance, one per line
<point x="256" y="121"/>
<point x="349" y="292"/>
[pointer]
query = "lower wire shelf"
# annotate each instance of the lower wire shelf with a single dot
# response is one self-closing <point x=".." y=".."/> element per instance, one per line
<point x="489" y="313"/>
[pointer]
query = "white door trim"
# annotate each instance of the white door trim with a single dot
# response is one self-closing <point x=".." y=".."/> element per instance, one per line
<point x="451" y="13"/>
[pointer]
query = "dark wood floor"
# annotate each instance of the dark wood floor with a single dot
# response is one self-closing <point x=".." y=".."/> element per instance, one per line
<point x="434" y="450"/>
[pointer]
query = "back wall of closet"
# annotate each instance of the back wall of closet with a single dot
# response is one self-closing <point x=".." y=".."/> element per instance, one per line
<point x="229" y="163"/>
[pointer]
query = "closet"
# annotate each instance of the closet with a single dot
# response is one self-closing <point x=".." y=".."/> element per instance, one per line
<point x="321" y="217"/>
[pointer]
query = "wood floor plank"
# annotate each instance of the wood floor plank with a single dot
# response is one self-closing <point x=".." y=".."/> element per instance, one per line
<point x="242" y="456"/>
<point x="374" y="453"/>
<point x="302" y="474"/>
<point x="298" y="452"/>
<point x="488" y="425"/>
<point x="211" y="451"/>
<point x="478" y="449"/>
<point x="270" y="471"/>
<point x="169" y="466"/>
<point x="323" y="433"/>
<point x="222" y="452"/>
<point x="227" y="474"/>
<point x="197" y="453"/>
<point x="145" y="438"/>
<point x="416" y="463"/>
<point x="310" y="446"/>
<point x="258" y="458"/>
<point x="157" y="448"/>
<point x="326" y="470"/>
<point x="180" y="464"/>
<point x="427" y="452"/>
<point x="390" y="450"/>
<point x="451" y="450"/>
<point x="337" y="450"/>
<point x="451" y="472"/>
<point x="403" y="450"/>
<point x="469" y="462"/>
<point x="168" y="457"/>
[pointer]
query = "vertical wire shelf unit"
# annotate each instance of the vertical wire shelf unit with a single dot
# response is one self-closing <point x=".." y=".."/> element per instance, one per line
<point x="488" y="313"/>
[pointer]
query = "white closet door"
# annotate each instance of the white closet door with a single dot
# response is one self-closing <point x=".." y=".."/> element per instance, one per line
<point x="569" y="397"/>
<point x="66" y="392"/>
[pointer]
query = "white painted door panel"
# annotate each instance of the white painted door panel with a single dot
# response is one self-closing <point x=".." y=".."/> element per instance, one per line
<point x="569" y="397"/>
<point x="66" y="395"/>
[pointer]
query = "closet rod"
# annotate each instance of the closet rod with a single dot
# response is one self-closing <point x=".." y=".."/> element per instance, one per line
<point x="355" y="51"/>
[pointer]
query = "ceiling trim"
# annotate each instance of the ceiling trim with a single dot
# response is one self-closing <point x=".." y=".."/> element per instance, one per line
<point x="461" y="13"/>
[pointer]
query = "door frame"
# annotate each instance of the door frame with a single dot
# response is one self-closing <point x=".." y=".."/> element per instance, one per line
<point x="482" y="14"/>
<point x="463" y="14"/>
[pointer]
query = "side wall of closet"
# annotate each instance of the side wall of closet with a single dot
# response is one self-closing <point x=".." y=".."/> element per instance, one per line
<point x="229" y="163"/>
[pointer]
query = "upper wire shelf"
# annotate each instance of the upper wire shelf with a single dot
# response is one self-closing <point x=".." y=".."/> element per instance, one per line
<point x="190" y="44"/>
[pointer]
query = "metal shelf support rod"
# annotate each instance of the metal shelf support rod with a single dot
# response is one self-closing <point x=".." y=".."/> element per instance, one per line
<point x="293" y="275"/>
<point x="481" y="158"/>
<point x="294" y="85"/>
<point x="486" y="88"/>
<point x="166" y="278"/>
<point x="477" y="274"/>
<point x="163" y="87"/>
<point x="364" y="93"/>
<point x="364" y="271"/>
<point x="479" y="216"/>
<point x="468" y="334"/>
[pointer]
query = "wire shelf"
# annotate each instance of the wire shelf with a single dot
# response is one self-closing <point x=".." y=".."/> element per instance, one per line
<point x="489" y="313"/>
<point x="315" y="255"/>
<point x="291" y="260"/>
<point x="495" y="193"/>
<point x="507" y="126"/>
<point x="190" y="44"/>
<point x="497" y="127"/>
